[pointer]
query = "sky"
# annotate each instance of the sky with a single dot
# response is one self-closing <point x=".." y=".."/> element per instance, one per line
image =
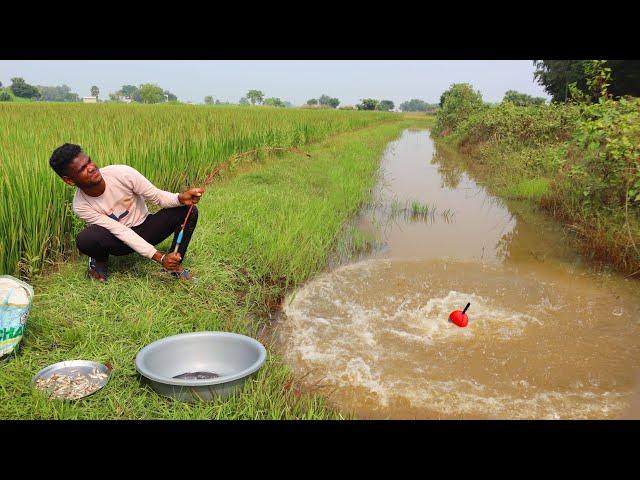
<point x="295" y="81"/>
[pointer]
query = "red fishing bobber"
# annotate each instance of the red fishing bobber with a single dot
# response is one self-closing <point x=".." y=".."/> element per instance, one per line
<point x="459" y="317"/>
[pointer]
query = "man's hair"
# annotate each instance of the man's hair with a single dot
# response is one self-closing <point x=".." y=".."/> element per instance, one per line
<point x="62" y="156"/>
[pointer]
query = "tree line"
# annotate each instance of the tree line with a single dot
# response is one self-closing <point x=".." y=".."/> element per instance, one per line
<point x="145" y="93"/>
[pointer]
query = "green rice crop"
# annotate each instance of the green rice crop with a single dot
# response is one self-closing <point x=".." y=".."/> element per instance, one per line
<point x="172" y="145"/>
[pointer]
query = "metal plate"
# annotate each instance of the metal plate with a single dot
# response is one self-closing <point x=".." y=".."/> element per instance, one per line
<point x="74" y="368"/>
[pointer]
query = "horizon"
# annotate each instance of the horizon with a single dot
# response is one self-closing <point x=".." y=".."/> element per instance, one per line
<point x="294" y="81"/>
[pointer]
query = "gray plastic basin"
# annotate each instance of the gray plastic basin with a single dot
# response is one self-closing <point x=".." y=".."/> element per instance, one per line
<point x="233" y="357"/>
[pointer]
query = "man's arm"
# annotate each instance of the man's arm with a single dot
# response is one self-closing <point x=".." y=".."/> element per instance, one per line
<point x="142" y="186"/>
<point x="128" y="236"/>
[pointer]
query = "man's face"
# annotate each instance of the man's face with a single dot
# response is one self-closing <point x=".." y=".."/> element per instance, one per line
<point x="82" y="172"/>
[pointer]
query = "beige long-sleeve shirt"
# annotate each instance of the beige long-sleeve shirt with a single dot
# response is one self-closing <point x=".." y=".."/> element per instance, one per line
<point x="122" y="205"/>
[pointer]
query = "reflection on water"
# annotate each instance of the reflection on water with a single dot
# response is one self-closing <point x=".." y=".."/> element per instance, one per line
<point x="547" y="337"/>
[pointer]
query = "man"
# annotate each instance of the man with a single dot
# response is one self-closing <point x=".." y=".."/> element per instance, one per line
<point x="112" y="201"/>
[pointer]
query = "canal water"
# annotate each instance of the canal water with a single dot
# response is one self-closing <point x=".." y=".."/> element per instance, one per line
<point x="549" y="336"/>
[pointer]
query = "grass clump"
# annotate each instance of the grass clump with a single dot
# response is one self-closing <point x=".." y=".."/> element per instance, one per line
<point x="532" y="189"/>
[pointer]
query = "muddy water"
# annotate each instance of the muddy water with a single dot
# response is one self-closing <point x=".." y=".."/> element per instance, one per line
<point x="548" y="336"/>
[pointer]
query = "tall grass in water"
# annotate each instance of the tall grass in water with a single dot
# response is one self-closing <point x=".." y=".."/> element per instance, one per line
<point x="172" y="145"/>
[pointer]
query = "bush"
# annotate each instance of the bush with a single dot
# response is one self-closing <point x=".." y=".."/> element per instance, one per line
<point x="607" y="172"/>
<point x="5" y="97"/>
<point x="458" y="103"/>
<point x="518" y="126"/>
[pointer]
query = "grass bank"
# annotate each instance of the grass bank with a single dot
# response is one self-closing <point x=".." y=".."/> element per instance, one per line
<point x="260" y="232"/>
<point x="580" y="163"/>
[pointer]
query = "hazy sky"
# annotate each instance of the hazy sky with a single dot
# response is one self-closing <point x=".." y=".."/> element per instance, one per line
<point x="293" y="80"/>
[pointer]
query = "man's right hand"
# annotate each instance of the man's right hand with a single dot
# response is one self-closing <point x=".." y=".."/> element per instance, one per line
<point x="171" y="261"/>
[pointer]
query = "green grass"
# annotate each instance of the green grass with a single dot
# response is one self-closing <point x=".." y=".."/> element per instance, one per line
<point x="259" y="233"/>
<point x="532" y="189"/>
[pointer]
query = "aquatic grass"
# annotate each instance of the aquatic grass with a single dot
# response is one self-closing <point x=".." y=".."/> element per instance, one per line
<point x="260" y="233"/>
<point x="173" y="145"/>
<point x="532" y="188"/>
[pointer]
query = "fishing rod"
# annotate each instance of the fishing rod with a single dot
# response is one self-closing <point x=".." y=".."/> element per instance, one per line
<point x="219" y="169"/>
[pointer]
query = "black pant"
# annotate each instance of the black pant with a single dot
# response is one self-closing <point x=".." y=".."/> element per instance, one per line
<point x="99" y="243"/>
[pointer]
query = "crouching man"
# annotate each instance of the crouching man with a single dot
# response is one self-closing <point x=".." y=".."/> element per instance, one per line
<point x="112" y="201"/>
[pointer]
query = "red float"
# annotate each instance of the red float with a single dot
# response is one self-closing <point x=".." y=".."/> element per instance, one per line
<point x="459" y="317"/>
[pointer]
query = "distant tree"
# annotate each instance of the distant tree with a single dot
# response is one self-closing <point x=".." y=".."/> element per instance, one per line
<point x="312" y="101"/>
<point x="274" y="102"/>
<point x="170" y="96"/>
<point x="22" y="89"/>
<point x="95" y="91"/>
<point x="244" y="101"/>
<point x="0" y="84"/>
<point x="5" y="96"/>
<point x="115" y="97"/>
<point x="255" y="96"/>
<point x="347" y="107"/>
<point x="288" y="104"/>
<point x="57" y="94"/>
<point x="132" y="92"/>
<point x="329" y="101"/>
<point x="208" y="100"/>
<point x="151" y="93"/>
<point x="414" y="105"/>
<point x="367" y="104"/>
<point x="385" y="105"/>
<point x="522" y="99"/>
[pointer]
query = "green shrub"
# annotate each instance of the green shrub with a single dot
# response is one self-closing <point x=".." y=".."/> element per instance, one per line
<point x="458" y="103"/>
<point x="5" y="96"/>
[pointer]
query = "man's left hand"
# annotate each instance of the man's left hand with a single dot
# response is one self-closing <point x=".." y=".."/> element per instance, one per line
<point x="191" y="196"/>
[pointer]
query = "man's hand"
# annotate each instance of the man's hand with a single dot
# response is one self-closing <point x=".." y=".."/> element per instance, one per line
<point x="170" y="262"/>
<point x="191" y="196"/>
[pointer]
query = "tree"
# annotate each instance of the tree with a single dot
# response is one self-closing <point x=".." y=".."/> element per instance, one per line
<point x="132" y="92"/>
<point x="625" y="78"/>
<point x="95" y="91"/>
<point x="57" y="94"/>
<point x="556" y="76"/>
<point x="151" y="93"/>
<point x="416" y="105"/>
<point x="208" y="100"/>
<point x="312" y="101"/>
<point x="170" y="96"/>
<point x="274" y="102"/>
<point x="5" y="96"/>
<point x="244" y="101"/>
<point x="0" y="84"/>
<point x="22" y="89"/>
<point x="385" y="105"/>
<point x="255" y="96"/>
<point x="460" y="101"/>
<point x="367" y="104"/>
<point x="522" y="99"/>
<point x="328" y="101"/>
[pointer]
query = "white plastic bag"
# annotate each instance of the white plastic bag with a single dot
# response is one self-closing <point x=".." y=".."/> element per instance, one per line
<point x="16" y="298"/>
